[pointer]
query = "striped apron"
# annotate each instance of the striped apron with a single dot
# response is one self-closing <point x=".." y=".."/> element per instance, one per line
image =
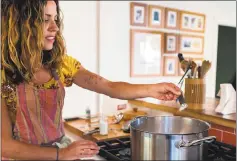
<point x="39" y="115"/>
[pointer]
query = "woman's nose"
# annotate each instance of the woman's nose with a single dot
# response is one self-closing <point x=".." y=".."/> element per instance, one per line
<point x="53" y="27"/>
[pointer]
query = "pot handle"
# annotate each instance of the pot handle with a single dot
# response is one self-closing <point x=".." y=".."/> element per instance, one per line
<point x="208" y="139"/>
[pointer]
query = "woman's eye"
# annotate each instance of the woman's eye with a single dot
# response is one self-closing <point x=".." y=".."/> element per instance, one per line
<point x="46" y="20"/>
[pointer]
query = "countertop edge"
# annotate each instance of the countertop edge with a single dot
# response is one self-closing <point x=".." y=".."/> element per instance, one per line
<point x="188" y="113"/>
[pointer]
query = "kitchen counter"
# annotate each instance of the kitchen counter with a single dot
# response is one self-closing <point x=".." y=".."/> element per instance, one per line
<point x="79" y="127"/>
<point x="207" y="114"/>
<point x="223" y="126"/>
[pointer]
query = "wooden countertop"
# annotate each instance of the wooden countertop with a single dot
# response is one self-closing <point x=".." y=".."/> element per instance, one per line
<point x="207" y="114"/>
<point x="78" y="127"/>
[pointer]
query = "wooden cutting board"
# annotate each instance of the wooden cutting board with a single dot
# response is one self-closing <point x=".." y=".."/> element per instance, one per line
<point x="79" y="127"/>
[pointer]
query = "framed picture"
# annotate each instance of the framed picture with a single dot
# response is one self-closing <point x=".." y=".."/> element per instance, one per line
<point x="146" y="48"/>
<point x="191" y="44"/>
<point x="138" y="14"/>
<point x="170" y="66"/>
<point x="190" y="21"/>
<point x="172" y="17"/>
<point x="156" y="16"/>
<point x="171" y="43"/>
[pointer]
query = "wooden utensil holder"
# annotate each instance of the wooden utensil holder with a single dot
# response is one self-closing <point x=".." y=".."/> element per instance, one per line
<point x="195" y="93"/>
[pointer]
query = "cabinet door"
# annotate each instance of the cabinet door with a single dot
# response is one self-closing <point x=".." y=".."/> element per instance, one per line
<point x="226" y="56"/>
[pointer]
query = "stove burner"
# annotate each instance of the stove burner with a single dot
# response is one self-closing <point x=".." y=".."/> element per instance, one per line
<point x="217" y="151"/>
<point x="125" y="152"/>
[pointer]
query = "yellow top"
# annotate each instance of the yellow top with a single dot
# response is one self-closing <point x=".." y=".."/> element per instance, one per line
<point x="69" y="68"/>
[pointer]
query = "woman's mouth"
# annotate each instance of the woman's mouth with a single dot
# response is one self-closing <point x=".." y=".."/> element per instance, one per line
<point x="50" y="39"/>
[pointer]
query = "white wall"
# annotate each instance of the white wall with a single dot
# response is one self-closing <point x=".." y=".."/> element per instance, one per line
<point x="113" y="53"/>
<point x="115" y="25"/>
<point x="80" y="36"/>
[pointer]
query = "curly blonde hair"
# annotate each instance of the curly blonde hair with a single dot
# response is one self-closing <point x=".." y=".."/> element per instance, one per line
<point x="22" y="40"/>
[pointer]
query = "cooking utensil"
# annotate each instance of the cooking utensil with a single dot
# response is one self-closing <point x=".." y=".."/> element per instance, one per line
<point x="193" y="67"/>
<point x="185" y="74"/>
<point x="183" y="105"/>
<point x="126" y="126"/>
<point x="199" y="72"/>
<point x="118" y="118"/>
<point x="169" y="138"/>
<point x="92" y="131"/>
<point x="72" y="119"/>
<point x="195" y="73"/>
<point x="181" y="100"/>
<point x="206" y="65"/>
<point x="184" y="63"/>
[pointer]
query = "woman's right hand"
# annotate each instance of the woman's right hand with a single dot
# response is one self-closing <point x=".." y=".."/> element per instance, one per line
<point x="79" y="149"/>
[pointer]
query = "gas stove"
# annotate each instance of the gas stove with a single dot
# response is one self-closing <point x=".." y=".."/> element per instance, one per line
<point x="119" y="149"/>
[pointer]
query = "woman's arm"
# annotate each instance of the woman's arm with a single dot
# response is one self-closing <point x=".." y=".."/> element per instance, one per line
<point x="124" y="90"/>
<point x="18" y="150"/>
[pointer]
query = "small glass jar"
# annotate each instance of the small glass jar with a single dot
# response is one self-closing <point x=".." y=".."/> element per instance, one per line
<point x="104" y="126"/>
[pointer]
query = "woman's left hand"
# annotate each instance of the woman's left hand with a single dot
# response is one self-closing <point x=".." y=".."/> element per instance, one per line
<point x="164" y="91"/>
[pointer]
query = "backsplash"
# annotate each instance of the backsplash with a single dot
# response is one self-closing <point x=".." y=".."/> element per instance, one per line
<point x="223" y="134"/>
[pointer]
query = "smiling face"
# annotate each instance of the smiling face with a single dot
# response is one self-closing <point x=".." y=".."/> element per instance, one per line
<point x="50" y="26"/>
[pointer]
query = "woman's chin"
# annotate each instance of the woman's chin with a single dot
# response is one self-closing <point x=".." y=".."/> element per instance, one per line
<point x="48" y="48"/>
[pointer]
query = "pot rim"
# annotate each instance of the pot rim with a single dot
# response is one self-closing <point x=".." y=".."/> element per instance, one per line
<point x="208" y="124"/>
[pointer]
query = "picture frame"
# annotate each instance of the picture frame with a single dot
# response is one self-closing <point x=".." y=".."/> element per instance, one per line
<point x="146" y="48"/>
<point x="172" y="18"/>
<point x="191" y="44"/>
<point x="138" y="14"/>
<point x="194" y="22"/>
<point x="156" y="16"/>
<point x="171" y="43"/>
<point x="170" y="66"/>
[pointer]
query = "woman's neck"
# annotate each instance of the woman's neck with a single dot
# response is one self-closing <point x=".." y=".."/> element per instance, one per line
<point x="42" y="76"/>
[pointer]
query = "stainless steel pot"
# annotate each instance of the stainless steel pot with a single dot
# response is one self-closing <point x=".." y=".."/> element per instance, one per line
<point x="169" y="138"/>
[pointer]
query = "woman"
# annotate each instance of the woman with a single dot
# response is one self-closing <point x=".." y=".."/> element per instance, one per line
<point x="35" y="70"/>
